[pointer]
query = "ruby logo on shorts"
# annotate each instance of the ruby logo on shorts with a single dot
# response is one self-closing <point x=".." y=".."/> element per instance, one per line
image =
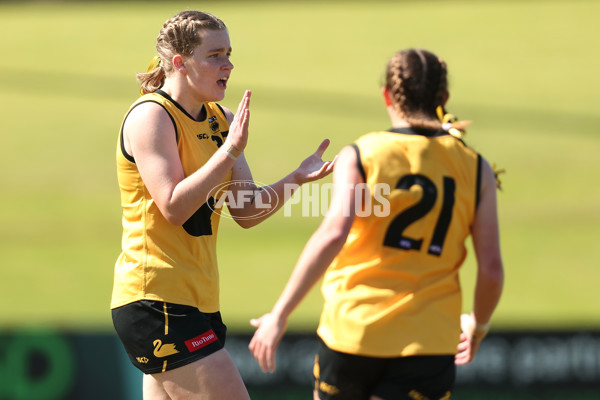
<point x="200" y="341"/>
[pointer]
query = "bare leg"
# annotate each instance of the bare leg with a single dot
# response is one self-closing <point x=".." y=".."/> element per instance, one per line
<point x="153" y="390"/>
<point x="211" y="378"/>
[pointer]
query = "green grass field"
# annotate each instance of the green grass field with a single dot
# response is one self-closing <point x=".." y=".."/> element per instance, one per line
<point x="525" y="72"/>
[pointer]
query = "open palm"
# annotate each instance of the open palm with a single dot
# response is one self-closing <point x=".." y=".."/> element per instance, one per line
<point x="313" y="167"/>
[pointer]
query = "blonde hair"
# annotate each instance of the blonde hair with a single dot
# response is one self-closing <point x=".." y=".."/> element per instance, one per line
<point x="178" y="35"/>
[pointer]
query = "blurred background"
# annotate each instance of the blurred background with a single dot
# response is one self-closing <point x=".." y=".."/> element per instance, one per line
<point x="525" y="73"/>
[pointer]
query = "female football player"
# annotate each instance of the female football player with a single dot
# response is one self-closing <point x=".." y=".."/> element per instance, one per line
<point x="391" y="322"/>
<point x="178" y="153"/>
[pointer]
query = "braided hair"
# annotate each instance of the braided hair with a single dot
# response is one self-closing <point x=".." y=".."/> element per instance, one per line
<point x="179" y="35"/>
<point x="417" y="82"/>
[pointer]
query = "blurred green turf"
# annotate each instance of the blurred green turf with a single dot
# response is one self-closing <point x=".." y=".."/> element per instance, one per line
<point x="524" y="71"/>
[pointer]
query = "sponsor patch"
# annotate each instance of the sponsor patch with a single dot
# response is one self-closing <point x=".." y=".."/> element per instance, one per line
<point x="200" y="341"/>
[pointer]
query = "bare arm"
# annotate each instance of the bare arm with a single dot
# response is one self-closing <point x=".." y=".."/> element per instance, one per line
<point x="490" y="271"/>
<point x="253" y="205"/>
<point x="149" y="137"/>
<point x="319" y="252"/>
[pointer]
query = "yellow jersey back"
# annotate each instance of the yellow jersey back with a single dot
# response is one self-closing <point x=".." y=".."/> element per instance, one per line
<point x="394" y="289"/>
<point x="161" y="261"/>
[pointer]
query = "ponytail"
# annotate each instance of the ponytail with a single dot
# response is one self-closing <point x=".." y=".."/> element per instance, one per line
<point x="154" y="77"/>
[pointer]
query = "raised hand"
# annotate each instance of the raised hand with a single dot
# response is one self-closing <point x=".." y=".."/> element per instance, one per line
<point x="238" y="130"/>
<point x="313" y="167"/>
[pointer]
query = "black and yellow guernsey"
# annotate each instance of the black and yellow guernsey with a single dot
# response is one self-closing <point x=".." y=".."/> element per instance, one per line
<point x="394" y="289"/>
<point x="160" y="261"/>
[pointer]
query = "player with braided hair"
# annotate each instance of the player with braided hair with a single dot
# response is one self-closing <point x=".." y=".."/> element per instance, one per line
<point x="391" y="321"/>
<point x="176" y="147"/>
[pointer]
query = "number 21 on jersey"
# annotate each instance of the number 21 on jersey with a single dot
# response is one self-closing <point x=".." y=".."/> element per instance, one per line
<point x="395" y="237"/>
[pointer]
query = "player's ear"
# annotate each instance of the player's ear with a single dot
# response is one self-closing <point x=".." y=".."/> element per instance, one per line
<point x="179" y="64"/>
<point x="387" y="99"/>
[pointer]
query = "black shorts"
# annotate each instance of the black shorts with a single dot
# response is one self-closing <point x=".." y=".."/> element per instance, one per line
<point x="162" y="336"/>
<point x="341" y="376"/>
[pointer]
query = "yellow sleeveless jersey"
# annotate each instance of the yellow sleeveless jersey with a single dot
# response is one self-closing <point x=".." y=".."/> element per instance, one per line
<point x="159" y="260"/>
<point x="394" y="289"/>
